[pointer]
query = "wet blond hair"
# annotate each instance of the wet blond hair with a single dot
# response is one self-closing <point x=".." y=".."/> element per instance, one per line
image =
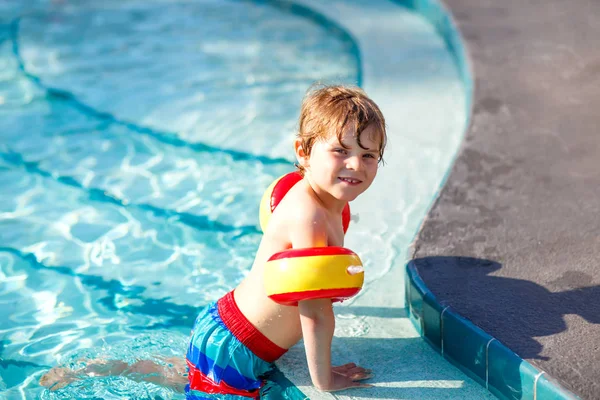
<point x="328" y="110"/>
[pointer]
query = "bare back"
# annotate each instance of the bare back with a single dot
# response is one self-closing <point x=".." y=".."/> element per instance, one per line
<point x="281" y="324"/>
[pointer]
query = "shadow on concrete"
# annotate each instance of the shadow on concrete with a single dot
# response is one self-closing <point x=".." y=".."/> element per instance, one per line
<point x="515" y="311"/>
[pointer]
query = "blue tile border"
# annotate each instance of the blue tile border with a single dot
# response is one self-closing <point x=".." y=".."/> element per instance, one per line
<point x="475" y="352"/>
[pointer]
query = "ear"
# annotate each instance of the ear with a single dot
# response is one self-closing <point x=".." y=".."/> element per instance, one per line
<point x="301" y="156"/>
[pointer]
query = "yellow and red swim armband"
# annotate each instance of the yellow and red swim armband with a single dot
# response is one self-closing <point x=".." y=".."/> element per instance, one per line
<point x="276" y="192"/>
<point x="334" y="273"/>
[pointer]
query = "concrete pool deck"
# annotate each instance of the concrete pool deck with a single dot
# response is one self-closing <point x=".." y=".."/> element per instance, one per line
<point x="513" y="241"/>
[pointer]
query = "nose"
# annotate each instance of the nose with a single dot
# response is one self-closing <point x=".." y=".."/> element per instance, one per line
<point x="354" y="163"/>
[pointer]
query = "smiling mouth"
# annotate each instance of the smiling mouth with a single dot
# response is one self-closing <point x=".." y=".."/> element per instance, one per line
<point x="350" y="181"/>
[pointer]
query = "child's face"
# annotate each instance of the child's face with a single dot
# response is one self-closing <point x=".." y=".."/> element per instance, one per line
<point x="347" y="172"/>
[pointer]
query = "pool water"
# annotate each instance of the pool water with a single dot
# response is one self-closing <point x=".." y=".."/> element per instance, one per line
<point x="136" y="139"/>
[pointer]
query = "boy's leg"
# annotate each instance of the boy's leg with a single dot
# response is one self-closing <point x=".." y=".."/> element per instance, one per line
<point x="173" y="375"/>
<point x="59" y="377"/>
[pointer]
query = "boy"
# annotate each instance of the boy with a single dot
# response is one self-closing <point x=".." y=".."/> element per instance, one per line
<point x="339" y="146"/>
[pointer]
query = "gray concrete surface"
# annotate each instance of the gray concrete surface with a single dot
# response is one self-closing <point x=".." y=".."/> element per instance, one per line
<point x="524" y="192"/>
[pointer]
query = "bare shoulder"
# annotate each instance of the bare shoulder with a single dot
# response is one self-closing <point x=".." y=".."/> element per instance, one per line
<point x="302" y="207"/>
<point x="305" y="218"/>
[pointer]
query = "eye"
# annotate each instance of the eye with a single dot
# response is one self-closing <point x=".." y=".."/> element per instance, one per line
<point x="339" y="150"/>
<point x="369" y="155"/>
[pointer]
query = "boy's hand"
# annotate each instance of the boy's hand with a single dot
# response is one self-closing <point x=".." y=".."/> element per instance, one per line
<point x="347" y="376"/>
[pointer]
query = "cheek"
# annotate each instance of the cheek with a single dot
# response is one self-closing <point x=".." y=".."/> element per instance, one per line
<point x="373" y="170"/>
<point x="330" y="162"/>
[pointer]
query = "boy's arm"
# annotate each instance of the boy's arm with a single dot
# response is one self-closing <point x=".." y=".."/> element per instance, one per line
<point x="318" y="324"/>
<point x="317" y="319"/>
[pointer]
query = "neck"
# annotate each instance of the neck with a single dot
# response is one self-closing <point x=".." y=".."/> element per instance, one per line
<point x="329" y="202"/>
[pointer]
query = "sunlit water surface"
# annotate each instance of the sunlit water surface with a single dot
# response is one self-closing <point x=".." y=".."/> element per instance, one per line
<point x="136" y="139"/>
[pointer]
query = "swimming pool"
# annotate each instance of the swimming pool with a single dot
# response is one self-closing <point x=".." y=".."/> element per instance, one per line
<point x="136" y="140"/>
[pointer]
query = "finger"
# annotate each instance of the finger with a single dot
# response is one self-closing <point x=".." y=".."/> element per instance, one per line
<point x="350" y="371"/>
<point x="341" y="370"/>
<point x="361" y="377"/>
<point x="358" y="370"/>
<point x="351" y="385"/>
<point x="345" y="366"/>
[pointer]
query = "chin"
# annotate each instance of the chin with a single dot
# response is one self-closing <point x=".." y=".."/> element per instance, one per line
<point x="346" y="193"/>
<point x="347" y="196"/>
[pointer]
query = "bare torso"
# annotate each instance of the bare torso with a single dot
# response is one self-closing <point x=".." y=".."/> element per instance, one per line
<point x="281" y="324"/>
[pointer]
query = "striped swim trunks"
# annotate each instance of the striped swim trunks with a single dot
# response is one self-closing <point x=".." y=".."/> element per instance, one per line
<point x="227" y="354"/>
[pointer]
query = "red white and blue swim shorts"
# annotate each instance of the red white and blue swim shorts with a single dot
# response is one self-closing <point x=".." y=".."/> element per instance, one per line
<point x="227" y="354"/>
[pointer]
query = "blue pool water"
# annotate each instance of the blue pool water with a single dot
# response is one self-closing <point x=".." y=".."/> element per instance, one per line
<point x="136" y="139"/>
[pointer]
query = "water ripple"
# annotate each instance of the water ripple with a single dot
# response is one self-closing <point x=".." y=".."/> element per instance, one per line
<point x="168" y="138"/>
<point x="176" y="314"/>
<point x="195" y="221"/>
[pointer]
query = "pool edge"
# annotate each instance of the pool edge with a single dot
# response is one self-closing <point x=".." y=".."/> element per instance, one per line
<point x="425" y="312"/>
<point x="475" y="352"/>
